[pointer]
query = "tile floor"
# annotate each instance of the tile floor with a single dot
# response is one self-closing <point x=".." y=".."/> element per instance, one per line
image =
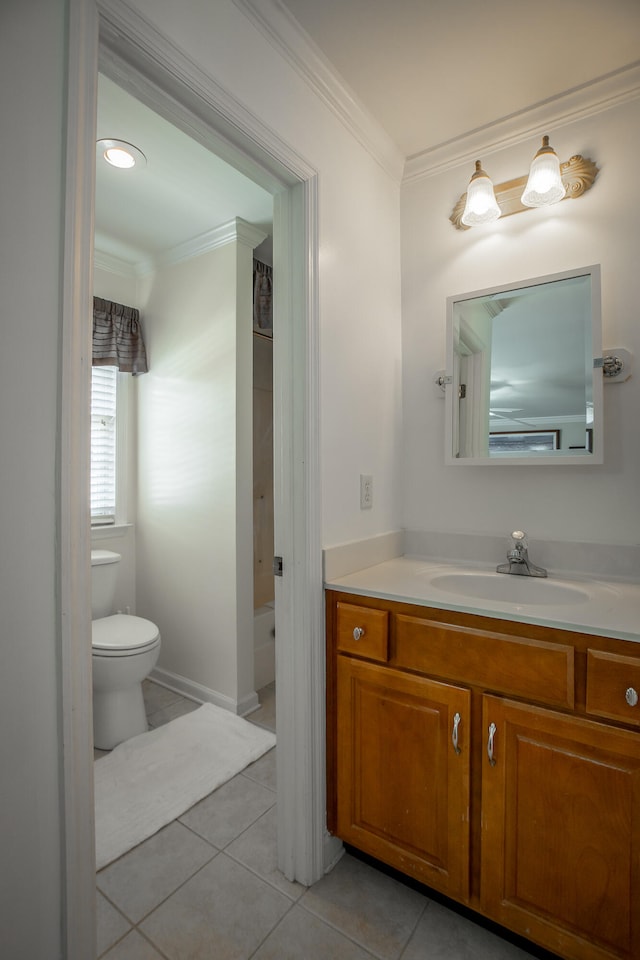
<point x="206" y="887"/>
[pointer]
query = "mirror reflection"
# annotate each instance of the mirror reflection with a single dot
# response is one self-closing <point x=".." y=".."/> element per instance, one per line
<point x="521" y="358"/>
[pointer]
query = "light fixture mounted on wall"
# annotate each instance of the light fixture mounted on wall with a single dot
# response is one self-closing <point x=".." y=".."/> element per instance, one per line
<point x="481" y="205"/>
<point x="548" y="182"/>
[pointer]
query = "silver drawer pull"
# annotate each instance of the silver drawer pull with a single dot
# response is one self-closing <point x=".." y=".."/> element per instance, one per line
<point x="631" y="696"/>
<point x="454" y="733"/>
<point x="358" y="633"/>
<point x="492" y="733"/>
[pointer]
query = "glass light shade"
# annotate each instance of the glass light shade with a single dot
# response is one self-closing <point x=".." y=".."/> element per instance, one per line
<point x="481" y="205"/>
<point x="544" y="185"/>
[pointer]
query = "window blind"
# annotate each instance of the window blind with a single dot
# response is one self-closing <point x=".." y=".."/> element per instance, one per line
<point x="103" y="444"/>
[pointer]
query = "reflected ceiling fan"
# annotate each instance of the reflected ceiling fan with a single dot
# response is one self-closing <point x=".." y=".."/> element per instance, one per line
<point x="497" y="413"/>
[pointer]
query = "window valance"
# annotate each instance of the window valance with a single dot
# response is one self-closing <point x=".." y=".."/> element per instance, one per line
<point x="117" y="337"/>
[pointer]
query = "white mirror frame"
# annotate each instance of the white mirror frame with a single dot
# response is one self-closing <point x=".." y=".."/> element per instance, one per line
<point x="452" y="380"/>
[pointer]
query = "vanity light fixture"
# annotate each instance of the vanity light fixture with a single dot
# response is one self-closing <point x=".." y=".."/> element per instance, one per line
<point x="481" y="205"/>
<point x="121" y="154"/>
<point x="544" y="185"/>
<point x="576" y="176"/>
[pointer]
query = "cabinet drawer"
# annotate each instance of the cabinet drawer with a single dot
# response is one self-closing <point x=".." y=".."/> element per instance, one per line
<point x="363" y="631"/>
<point x="518" y="666"/>
<point x="609" y="676"/>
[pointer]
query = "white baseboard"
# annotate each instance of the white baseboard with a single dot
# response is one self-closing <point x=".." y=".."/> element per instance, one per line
<point x="199" y="693"/>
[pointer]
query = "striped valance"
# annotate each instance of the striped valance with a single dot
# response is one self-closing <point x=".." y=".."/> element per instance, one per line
<point x="117" y="337"/>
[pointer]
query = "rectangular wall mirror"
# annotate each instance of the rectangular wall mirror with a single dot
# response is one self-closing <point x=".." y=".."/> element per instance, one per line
<point x="522" y="387"/>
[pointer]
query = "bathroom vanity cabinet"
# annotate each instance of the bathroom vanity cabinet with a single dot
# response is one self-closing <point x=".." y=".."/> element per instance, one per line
<point x="496" y="762"/>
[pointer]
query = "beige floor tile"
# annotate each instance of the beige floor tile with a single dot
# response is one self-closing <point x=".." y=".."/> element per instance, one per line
<point x="226" y="813"/>
<point x="110" y="924"/>
<point x="301" y="936"/>
<point x="443" y="934"/>
<point x="156" y="696"/>
<point x="256" y="848"/>
<point x="263" y="770"/>
<point x="148" y="874"/>
<point x="171" y="712"/>
<point x="371" y="908"/>
<point x="223" y="912"/>
<point x="133" y="947"/>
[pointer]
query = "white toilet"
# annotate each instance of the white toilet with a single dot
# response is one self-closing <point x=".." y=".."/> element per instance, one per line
<point x="124" y="651"/>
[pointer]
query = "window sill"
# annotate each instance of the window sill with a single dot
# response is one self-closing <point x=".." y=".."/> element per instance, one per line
<point x="108" y="531"/>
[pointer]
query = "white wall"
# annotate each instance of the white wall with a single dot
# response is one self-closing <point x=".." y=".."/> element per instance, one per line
<point x="596" y="503"/>
<point x="194" y="532"/>
<point x="114" y="286"/>
<point x="32" y="78"/>
<point x="359" y="276"/>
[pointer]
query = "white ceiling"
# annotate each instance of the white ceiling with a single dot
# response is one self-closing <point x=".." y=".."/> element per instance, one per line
<point x="183" y="192"/>
<point x="431" y="71"/>
<point x="428" y="71"/>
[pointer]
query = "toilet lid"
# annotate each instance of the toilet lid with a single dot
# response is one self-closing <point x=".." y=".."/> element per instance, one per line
<point x="122" y="632"/>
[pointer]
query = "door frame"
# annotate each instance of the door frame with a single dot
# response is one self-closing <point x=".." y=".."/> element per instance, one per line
<point x="108" y="35"/>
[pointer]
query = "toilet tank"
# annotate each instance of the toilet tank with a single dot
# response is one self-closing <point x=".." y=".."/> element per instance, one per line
<point x="104" y="573"/>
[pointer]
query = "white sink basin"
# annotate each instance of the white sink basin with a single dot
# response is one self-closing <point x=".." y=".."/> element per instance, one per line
<point x="508" y="588"/>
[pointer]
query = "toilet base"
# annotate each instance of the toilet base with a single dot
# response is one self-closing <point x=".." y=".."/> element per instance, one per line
<point x="118" y="715"/>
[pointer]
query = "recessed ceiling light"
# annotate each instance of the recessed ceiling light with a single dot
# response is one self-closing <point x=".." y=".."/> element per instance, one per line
<point x="121" y="154"/>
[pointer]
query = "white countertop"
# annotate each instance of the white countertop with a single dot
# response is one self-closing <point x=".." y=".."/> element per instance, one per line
<point x="610" y="609"/>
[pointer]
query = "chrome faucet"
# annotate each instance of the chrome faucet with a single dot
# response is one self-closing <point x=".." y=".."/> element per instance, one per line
<point x="518" y="562"/>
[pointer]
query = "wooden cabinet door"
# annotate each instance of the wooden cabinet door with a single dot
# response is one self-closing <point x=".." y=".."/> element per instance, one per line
<point x="560" y="859"/>
<point x="402" y="774"/>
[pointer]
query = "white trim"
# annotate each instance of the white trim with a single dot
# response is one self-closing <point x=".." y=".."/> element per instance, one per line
<point x="107" y="531"/>
<point x="300" y="660"/>
<point x="235" y="230"/>
<point x="201" y="694"/>
<point x="238" y="136"/>
<point x="283" y="32"/>
<point x="78" y="851"/>
<point x="587" y="100"/>
<point x="122" y="268"/>
<point x="124" y="468"/>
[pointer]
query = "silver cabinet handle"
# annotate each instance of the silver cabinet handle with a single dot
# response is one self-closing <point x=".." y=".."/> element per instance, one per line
<point x="631" y="696"/>
<point x="358" y="632"/>
<point x="492" y="733"/>
<point x="454" y="733"/>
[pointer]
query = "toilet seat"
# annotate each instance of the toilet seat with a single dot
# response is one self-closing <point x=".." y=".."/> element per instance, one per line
<point x="122" y="635"/>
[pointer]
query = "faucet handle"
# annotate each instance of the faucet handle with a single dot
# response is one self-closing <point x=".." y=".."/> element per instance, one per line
<point x="520" y="541"/>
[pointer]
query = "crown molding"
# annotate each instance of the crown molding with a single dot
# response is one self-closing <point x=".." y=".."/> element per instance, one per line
<point x="235" y="231"/>
<point x="133" y="52"/>
<point x="285" y="34"/>
<point x="118" y="265"/>
<point x="581" y="102"/>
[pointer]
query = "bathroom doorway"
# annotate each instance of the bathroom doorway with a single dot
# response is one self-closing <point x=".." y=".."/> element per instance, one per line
<point x="177" y="239"/>
<point x="129" y="49"/>
<point x="165" y="83"/>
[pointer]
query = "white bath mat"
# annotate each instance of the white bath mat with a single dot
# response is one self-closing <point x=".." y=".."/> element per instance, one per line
<point x="151" y="779"/>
